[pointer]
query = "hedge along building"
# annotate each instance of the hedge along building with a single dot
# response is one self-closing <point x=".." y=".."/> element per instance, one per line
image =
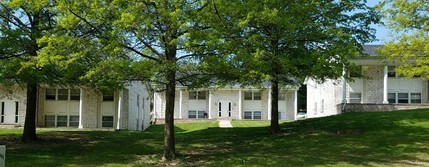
<point x="380" y="89"/>
<point x="80" y="107"/>
<point x="232" y="103"/>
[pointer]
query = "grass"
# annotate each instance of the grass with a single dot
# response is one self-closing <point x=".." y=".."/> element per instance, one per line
<point x="353" y="139"/>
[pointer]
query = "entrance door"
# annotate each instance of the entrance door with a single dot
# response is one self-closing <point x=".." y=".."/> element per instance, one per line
<point x="224" y="109"/>
<point x="9" y="112"/>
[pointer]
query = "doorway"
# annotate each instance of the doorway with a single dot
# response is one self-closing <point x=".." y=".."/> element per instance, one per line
<point x="224" y="109"/>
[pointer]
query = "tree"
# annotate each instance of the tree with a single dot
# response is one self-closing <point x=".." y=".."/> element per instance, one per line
<point x="158" y="38"/>
<point x="22" y="23"/>
<point x="409" y="22"/>
<point x="284" y="42"/>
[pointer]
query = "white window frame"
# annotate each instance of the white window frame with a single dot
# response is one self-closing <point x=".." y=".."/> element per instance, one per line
<point x="197" y="95"/>
<point x="352" y="98"/>
<point x="253" y="95"/>
<point x="69" y="95"/>
<point x="197" y="114"/>
<point x="113" y="121"/>
<point x="282" y="96"/>
<point x="55" y="123"/>
<point x="252" y="117"/>
<point x="409" y="98"/>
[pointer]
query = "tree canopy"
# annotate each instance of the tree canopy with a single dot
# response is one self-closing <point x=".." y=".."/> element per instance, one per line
<point x="284" y="42"/>
<point x="409" y="22"/>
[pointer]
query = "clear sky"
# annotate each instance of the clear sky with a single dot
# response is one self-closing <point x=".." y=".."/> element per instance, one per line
<point x="382" y="33"/>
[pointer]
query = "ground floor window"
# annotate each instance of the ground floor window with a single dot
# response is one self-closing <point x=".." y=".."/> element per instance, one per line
<point x="61" y="121"/>
<point x="355" y="98"/>
<point x="282" y="115"/>
<point x="252" y="115"/>
<point x="107" y="122"/>
<point x="196" y="114"/>
<point x="404" y="98"/>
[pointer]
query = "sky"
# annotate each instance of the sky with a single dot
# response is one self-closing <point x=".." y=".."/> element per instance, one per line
<point x="382" y="33"/>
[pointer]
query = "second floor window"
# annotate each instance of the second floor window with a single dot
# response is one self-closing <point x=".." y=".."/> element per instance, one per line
<point x="197" y="95"/>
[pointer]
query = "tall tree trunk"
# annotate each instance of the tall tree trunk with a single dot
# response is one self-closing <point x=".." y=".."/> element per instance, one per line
<point x="169" y="143"/>
<point x="274" y="127"/>
<point x="29" y="134"/>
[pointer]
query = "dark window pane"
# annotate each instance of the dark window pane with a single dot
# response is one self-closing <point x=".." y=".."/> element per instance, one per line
<point x="62" y="121"/>
<point x="63" y="94"/>
<point x="201" y="95"/>
<point x="49" y="120"/>
<point x="75" y="94"/>
<point x="391" y="97"/>
<point x="391" y="71"/>
<point x="50" y="94"/>
<point x="256" y="95"/>
<point x="192" y="114"/>
<point x="247" y="115"/>
<point x="201" y="114"/>
<point x="282" y="96"/>
<point x="108" y="96"/>
<point x="107" y="121"/>
<point x="74" y="121"/>
<point x="247" y="95"/>
<point x="192" y="95"/>
<point x="256" y="115"/>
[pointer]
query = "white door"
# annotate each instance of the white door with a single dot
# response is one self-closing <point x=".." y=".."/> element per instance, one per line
<point x="9" y="112"/>
<point x="224" y="109"/>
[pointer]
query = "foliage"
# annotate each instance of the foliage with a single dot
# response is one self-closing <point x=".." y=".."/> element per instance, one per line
<point x="409" y="22"/>
<point x="285" y="42"/>
<point x="153" y="41"/>
<point x="353" y="139"/>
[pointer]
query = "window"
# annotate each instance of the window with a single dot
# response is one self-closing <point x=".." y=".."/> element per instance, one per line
<point x="402" y="97"/>
<point x="247" y="114"/>
<point x="416" y="98"/>
<point x="108" y="97"/>
<point x="196" y="114"/>
<point x="107" y="121"/>
<point x="73" y="121"/>
<point x="282" y="115"/>
<point x="201" y="114"/>
<point x="220" y="109"/>
<point x="391" y="97"/>
<point x="282" y="96"/>
<point x="16" y="112"/>
<point x="252" y="95"/>
<point x="50" y="94"/>
<point x="192" y="114"/>
<point x="257" y="115"/>
<point x="355" y="98"/>
<point x="50" y="120"/>
<point x="248" y="95"/>
<point x="2" y="113"/>
<point x="252" y="114"/>
<point x="63" y="94"/>
<point x="391" y="71"/>
<point x="62" y="121"/>
<point x="197" y="95"/>
<point x="74" y="94"/>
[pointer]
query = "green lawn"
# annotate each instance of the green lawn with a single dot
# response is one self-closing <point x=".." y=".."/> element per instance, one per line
<point x="352" y="139"/>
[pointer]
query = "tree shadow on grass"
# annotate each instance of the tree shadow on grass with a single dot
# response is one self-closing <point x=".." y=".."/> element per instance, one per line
<point x="88" y="148"/>
<point x="361" y="139"/>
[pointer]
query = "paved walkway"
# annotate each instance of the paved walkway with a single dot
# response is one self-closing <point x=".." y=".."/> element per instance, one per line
<point x="225" y="124"/>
